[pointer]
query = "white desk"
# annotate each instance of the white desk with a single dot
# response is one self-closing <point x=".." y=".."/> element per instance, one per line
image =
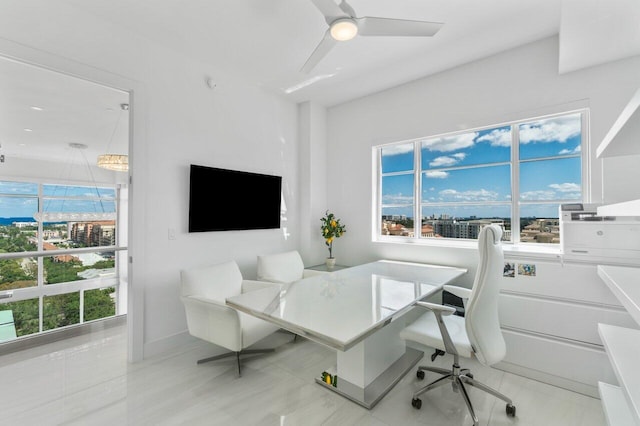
<point x="354" y="310"/>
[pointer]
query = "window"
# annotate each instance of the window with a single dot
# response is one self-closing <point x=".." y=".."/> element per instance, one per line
<point x="515" y="175"/>
<point x="58" y="247"/>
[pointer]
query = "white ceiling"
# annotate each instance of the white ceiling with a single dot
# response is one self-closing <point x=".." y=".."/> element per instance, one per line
<point x="266" y="42"/>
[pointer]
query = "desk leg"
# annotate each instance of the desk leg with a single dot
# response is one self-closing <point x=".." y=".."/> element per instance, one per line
<point x="369" y="370"/>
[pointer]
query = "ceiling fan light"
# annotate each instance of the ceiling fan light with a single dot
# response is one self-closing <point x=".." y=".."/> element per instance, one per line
<point x="117" y="162"/>
<point x="344" y="29"/>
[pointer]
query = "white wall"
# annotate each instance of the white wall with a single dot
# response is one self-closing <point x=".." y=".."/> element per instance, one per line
<point x="177" y="121"/>
<point x="520" y="83"/>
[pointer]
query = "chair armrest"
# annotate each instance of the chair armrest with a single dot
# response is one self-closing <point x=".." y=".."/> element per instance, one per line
<point x="441" y="309"/>
<point x="212" y="307"/>
<point x="461" y="292"/>
<point x="252" y="285"/>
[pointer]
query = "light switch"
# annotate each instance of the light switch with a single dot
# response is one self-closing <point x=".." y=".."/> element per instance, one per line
<point x="172" y="234"/>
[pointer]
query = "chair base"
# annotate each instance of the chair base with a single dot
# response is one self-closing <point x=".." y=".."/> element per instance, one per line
<point x="458" y="378"/>
<point x="237" y="354"/>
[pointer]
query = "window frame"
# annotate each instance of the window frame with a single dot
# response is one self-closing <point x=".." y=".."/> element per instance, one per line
<point x="515" y="203"/>
<point x="43" y="290"/>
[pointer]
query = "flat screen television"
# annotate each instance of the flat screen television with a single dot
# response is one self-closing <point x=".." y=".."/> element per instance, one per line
<point x="229" y="200"/>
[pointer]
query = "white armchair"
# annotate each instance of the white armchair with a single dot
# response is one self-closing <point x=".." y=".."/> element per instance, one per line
<point x="283" y="268"/>
<point x="204" y="291"/>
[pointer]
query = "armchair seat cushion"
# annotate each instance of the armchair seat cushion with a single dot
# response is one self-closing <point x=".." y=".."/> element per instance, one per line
<point x="425" y="330"/>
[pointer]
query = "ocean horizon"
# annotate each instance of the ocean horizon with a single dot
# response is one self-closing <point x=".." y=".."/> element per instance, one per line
<point x="4" y="221"/>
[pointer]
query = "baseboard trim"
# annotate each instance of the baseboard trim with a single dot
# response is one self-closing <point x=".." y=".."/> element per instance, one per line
<point x="27" y="342"/>
<point x="549" y="379"/>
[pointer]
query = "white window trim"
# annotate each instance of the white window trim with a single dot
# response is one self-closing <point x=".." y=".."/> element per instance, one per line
<point x="514" y="246"/>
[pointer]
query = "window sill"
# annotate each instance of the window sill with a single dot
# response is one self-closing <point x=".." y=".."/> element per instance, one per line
<point x="540" y="251"/>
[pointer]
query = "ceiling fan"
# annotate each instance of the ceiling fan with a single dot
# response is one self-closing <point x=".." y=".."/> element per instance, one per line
<point x="344" y="25"/>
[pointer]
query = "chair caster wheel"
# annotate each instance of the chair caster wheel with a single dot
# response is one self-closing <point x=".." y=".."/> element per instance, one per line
<point x="420" y="374"/>
<point x="511" y="410"/>
<point x="416" y="403"/>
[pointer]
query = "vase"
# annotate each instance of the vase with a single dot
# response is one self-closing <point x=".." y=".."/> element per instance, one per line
<point x="330" y="262"/>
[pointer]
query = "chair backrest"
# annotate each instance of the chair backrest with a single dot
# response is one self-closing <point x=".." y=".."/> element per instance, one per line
<point x="481" y="314"/>
<point x="284" y="267"/>
<point x="215" y="282"/>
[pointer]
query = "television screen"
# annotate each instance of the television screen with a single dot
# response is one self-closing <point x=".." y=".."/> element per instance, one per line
<point x="227" y="200"/>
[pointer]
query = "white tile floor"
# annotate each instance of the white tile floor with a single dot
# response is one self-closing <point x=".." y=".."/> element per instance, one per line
<point x="86" y="380"/>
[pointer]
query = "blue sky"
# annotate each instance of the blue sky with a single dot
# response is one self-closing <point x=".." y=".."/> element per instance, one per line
<point x="64" y="198"/>
<point x="550" y="169"/>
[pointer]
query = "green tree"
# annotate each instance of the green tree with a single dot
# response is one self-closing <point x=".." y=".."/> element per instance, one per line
<point x="98" y="304"/>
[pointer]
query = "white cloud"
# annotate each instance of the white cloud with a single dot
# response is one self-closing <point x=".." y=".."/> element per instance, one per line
<point x="497" y="137"/>
<point x="568" y="190"/>
<point x="477" y="195"/>
<point x="565" y="187"/>
<point x="557" y="129"/>
<point x="537" y="195"/>
<point x="459" y="155"/>
<point x="576" y="150"/>
<point x="397" y="149"/>
<point x="436" y="174"/>
<point x="450" y="143"/>
<point x="397" y="199"/>
<point x="443" y="161"/>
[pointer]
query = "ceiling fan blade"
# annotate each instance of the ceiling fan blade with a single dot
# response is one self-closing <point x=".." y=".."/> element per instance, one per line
<point x="329" y="9"/>
<point x="371" y="26"/>
<point x="320" y="52"/>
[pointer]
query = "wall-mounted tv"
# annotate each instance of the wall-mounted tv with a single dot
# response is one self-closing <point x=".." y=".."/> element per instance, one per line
<point x="228" y="200"/>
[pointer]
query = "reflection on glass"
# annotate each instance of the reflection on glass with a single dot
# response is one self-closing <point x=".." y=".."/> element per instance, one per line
<point x="393" y="294"/>
<point x="70" y="192"/>
<point x="18" y="188"/>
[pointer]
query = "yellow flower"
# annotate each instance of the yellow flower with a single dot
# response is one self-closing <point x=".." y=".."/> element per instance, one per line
<point x="329" y="240"/>
<point x="333" y="223"/>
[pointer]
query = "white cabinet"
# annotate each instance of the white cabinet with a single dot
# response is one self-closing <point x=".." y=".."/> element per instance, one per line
<point x="623" y="348"/>
<point x="550" y="324"/>
<point x="627" y="208"/>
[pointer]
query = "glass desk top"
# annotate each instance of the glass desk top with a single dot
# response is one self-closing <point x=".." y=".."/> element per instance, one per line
<point x="342" y="308"/>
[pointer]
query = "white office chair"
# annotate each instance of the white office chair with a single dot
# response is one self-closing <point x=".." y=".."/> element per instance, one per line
<point x="477" y="334"/>
<point x="283" y="268"/>
<point x="204" y="291"/>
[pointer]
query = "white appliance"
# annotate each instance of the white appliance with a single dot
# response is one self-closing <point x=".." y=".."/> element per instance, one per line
<point x="603" y="239"/>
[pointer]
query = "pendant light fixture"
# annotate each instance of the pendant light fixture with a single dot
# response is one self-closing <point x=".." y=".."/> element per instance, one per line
<point x="116" y="162"/>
